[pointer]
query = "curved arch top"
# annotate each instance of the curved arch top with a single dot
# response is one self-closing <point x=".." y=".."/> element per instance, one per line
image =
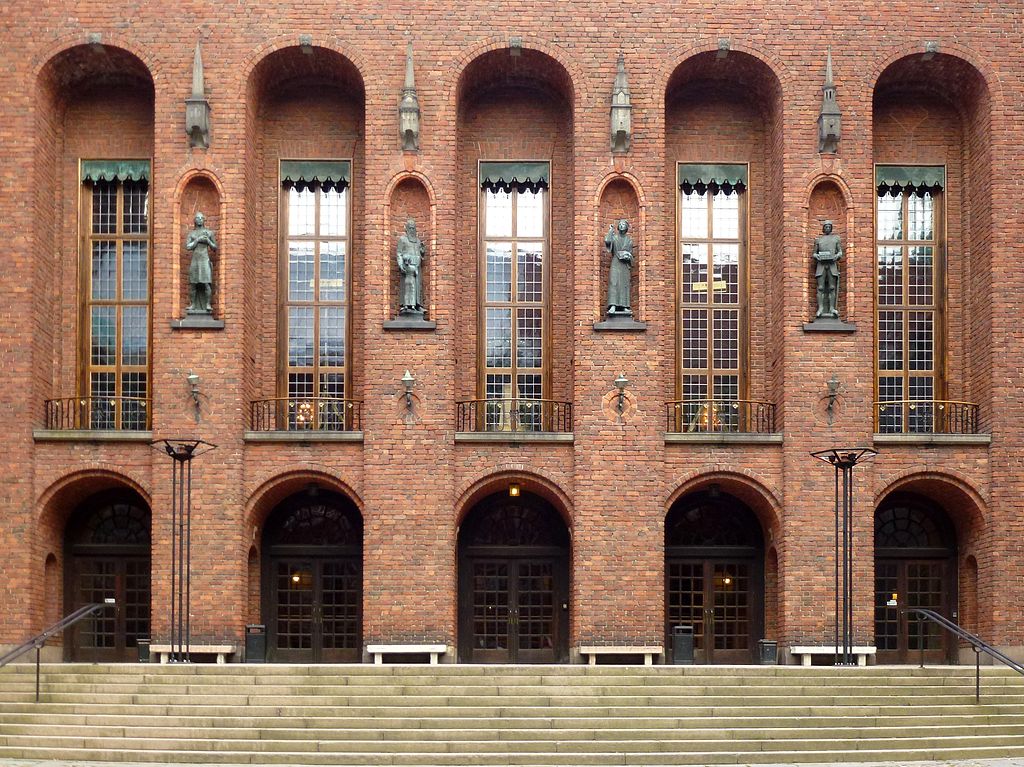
<point x="251" y="63"/>
<point x="681" y="56"/>
<point x="574" y="75"/>
<point x="49" y="55"/>
<point x="500" y="477"/>
<point x="987" y="74"/>
<point x="288" y="481"/>
<point x="757" y="494"/>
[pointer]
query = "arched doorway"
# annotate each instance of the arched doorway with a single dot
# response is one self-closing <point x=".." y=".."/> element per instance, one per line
<point x="107" y="550"/>
<point x="714" y="576"/>
<point x="513" y="582"/>
<point x="312" y="579"/>
<point x="915" y="566"/>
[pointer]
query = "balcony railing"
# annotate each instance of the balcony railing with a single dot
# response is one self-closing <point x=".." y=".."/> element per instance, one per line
<point x="926" y="416"/>
<point x="719" y="416"/>
<point x="513" y="415"/>
<point x="98" y="413"/>
<point x="306" y="414"/>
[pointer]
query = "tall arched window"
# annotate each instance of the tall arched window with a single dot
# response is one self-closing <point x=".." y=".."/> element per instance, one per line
<point x="115" y="324"/>
<point x="712" y="240"/>
<point x="315" y="295"/>
<point x="909" y="247"/>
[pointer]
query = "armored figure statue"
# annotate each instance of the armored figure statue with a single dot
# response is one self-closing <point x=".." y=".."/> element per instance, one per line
<point x="411" y="252"/>
<point x="200" y="242"/>
<point x="620" y="245"/>
<point x="828" y="251"/>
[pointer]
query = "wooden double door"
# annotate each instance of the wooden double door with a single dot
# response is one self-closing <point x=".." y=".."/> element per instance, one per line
<point x="513" y="609"/>
<point x="113" y="635"/>
<point x="314" y="609"/>
<point x="914" y="582"/>
<point x="720" y="600"/>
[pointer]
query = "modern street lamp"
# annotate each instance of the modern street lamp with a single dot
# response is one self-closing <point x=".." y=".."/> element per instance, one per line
<point x="181" y="451"/>
<point x="843" y="459"/>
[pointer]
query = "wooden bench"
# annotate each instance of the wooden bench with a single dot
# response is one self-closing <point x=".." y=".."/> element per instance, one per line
<point x="647" y="651"/>
<point x="378" y="651"/>
<point x="162" y="652"/>
<point x="806" y="653"/>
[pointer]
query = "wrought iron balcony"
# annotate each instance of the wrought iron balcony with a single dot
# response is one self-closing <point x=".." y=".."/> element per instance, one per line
<point x="306" y="414"/>
<point x="718" y="416"/>
<point x="513" y="415"/>
<point x="98" y="413"/>
<point x="926" y="416"/>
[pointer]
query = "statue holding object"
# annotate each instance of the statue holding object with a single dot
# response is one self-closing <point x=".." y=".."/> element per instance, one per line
<point x="620" y="245"/>
<point x="828" y="251"/>
<point x="199" y="242"/>
<point x="410" y="254"/>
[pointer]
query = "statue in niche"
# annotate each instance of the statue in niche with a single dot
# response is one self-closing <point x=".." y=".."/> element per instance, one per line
<point x="411" y="252"/>
<point x="199" y="243"/>
<point x="828" y="250"/>
<point x="620" y="245"/>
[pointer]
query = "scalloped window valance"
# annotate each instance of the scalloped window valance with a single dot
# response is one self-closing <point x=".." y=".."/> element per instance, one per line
<point x="335" y="174"/>
<point x="718" y="176"/>
<point x="917" y="179"/>
<point x="521" y="176"/>
<point x="115" y="170"/>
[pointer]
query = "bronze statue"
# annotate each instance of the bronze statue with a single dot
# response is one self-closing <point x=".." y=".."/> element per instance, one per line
<point x="620" y="245"/>
<point x="411" y="252"/>
<point x="828" y="251"/>
<point x="200" y="242"/>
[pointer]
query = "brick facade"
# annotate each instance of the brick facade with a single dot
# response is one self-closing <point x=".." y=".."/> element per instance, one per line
<point x="412" y="480"/>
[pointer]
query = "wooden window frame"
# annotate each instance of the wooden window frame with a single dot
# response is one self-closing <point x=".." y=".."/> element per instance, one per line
<point x="283" y="302"/>
<point x="939" y="245"/>
<point x="483" y="304"/>
<point x="84" y="345"/>
<point x="743" y="304"/>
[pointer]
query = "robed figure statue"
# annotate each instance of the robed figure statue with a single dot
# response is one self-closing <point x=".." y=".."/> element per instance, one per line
<point x="411" y="252"/>
<point x="828" y="251"/>
<point x="200" y="241"/>
<point x="620" y="245"/>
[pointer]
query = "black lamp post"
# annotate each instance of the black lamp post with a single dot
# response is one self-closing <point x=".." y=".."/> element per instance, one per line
<point x="843" y="459"/>
<point x="181" y="451"/>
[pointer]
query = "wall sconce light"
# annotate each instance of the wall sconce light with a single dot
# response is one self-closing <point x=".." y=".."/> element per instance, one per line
<point x="833" y="393"/>
<point x="408" y="381"/>
<point x="621" y="383"/>
<point x="513" y="490"/>
<point x="193" y="382"/>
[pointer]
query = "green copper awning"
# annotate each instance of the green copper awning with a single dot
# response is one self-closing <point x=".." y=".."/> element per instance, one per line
<point x="523" y="176"/>
<point x="894" y="179"/>
<point x="329" y="173"/>
<point x="703" y="174"/>
<point x="115" y="170"/>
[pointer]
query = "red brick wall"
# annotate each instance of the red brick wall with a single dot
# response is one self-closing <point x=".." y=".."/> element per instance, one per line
<point x="67" y="100"/>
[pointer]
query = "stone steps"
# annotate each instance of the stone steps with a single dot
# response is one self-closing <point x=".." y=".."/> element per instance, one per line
<point x="475" y="715"/>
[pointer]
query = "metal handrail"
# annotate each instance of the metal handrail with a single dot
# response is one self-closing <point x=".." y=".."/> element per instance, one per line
<point x="39" y="640"/>
<point x="926" y="416"/>
<point x="978" y="644"/>
<point x="98" y="413"/>
<point x="719" y="415"/>
<point x="306" y="414"/>
<point x="513" y="414"/>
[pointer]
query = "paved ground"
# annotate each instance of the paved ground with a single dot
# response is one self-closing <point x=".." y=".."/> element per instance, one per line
<point x="1014" y="762"/>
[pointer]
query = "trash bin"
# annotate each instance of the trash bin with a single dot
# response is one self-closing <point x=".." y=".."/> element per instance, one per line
<point x="767" y="652"/>
<point x="256" y="643"/>
<point x="682" y="645"/>
<point x="143" y="645"/>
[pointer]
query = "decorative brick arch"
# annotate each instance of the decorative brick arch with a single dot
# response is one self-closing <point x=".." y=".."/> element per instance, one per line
<point x="109" y="40"/>
<point x="814" y="180"/>
<point x="988" y="75"/>
<point x="626" y="176"/>
<point x="760" y="495"/>
<point x="251" y="63"/>
<point x="680" y="56"/>
<point x="530" y="478"/>
<point x="286" y="481"/>
<point x="963" y="492"/>
<point x="416" y="175"/>
<point x="101" y="475"/>
<point x="580" y="93"/>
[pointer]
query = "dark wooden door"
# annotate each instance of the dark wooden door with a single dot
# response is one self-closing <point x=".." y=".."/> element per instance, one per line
<point x="315" y="610"/>
<point x="111" y="636"/>
<point x="512" y="610"/>
<point x="900" y="637"/>
<point x="719" y="599"/>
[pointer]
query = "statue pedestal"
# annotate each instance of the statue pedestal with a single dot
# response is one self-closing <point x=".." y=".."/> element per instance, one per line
<point x="621" y="323"/>
<point x="409" y="322"/>
<point x="197" y="321"/>
<point x="829" y="325"/>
